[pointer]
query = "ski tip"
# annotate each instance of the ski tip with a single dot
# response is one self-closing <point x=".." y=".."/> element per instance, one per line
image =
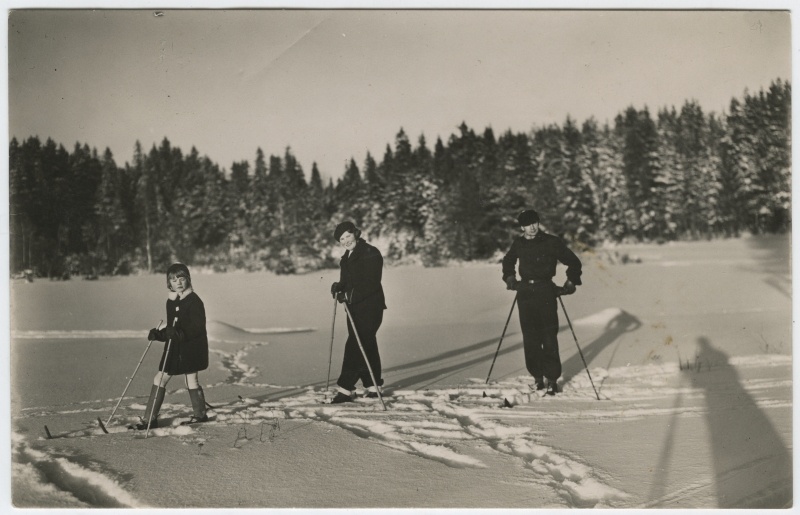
<point x="49" y="436"/>
<point x="506" y="404"/>
<point x="102" y="426"/>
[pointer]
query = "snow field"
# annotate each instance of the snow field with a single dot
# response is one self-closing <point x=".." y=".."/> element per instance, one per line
<point x="692" y="365"/>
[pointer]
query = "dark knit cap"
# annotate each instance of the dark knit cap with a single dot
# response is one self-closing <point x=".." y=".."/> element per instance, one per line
<point x="178" y="269"/>
<point x="528" y="217"/>
<point x="343" y="228"/>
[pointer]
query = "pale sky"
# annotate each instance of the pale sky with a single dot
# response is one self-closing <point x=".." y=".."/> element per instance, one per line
<point x="335" y="84"/>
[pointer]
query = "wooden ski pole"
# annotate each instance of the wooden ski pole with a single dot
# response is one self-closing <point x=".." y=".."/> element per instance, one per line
<point x="132" y="376"/>
<point x="358" y="339"/>
<point x="166" y="360"/>
<point x="579" y="347"/>
<point x="501" y="338"/>
<point x="330" y="352"/>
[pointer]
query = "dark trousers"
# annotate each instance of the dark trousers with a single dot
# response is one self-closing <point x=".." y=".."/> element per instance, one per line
<point x="538" y="318"/>
<point x="368" y="318"/>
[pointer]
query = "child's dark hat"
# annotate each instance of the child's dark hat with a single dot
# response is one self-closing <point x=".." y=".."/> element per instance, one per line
<point x="528" y="217"/>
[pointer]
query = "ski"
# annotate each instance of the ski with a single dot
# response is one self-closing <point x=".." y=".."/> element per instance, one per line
<point x="189" y="423"/>
<point x="105" y="430"/>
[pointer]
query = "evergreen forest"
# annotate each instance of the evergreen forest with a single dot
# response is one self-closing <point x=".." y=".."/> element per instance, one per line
<point x="676" y="174"/>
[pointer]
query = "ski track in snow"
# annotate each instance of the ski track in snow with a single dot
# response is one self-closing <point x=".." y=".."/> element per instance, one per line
<point x="66" y="482"/>
<point x="456" y="426"/>
<point x="235" y="364"/>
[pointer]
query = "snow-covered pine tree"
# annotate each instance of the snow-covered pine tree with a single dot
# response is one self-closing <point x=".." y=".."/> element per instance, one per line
<point x="776" y="139"/>
<point x="260" y="213"/>
<point x="349" y="194"/>
<point x="463" y="193"/>
<point x="579" y="217"/>
<point x="374" y="198"/>
<point x="550" y="187"/>
<point x="513" y="189"/>
<point x="641" y="166"/>
<point x="113" y="237"/>
<point x="669" y="184"/>
<point x="610" y="193"/>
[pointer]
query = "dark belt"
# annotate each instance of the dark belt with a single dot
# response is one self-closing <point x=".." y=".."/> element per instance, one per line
<point x="536" y="281"/>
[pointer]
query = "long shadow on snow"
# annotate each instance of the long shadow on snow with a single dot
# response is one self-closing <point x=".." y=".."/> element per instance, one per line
<point x="752" y="464"/>
<point x="445" y="355"/>
<point x="423" y="378"/>
<point x="434" y="376"/>
<point x="438" y="374"/>
<point x="738" y="430"/>
<point x="616" y="327"/>
<point x="622" y="323"/>
<point x="660" y="484"/>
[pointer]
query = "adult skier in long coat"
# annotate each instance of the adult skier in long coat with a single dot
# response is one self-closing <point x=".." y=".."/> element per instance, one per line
<point x="359" y="285"/>
<point x="538" y="254"/>
<point x="186" y="351"/>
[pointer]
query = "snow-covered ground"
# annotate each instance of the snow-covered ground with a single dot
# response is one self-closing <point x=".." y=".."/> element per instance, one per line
<point x="689" y="351"/>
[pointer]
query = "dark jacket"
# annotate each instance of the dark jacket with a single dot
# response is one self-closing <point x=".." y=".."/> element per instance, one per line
<point x="188" y="351"/>
<point x="538" y="258"/>
<point x="360" y="273"/>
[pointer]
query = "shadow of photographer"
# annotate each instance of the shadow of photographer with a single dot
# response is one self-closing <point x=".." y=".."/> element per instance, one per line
<point x="752" y="464"/>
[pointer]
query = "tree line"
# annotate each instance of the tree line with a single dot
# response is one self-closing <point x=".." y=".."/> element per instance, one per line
<point x="676" y="175"/>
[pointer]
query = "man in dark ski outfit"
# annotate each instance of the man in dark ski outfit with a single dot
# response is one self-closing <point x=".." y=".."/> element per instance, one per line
<point x="359" y="285"/>
<point x="538" y="254"/>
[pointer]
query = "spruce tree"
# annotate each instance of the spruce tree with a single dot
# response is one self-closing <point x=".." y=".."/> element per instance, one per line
<point x="113" y="234"/>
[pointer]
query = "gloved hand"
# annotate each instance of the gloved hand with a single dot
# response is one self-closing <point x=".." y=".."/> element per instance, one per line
<point x="170" y="333"/>
<point x="511" y="282"/>
<point x="155" y="334"/>
<point x="336" y="288"/>
<point x="343" y="297"/>
<point x="567" y="289"/>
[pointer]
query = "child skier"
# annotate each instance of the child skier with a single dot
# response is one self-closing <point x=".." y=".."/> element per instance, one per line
<point x="186" y="349"/>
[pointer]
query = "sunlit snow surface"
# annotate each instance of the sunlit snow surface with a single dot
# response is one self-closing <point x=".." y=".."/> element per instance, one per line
<point x="685" y="400"/>
<point x="445" y="425"/>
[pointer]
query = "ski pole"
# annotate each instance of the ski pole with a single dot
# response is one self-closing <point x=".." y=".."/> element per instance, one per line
<point x="579" y="347"/>
<point x="132" y="376"/>
<point x="372" y="375"/>
<point x="501" y="338"/>
<point x="330" y="353"/>
<point x="166" y="359"/>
